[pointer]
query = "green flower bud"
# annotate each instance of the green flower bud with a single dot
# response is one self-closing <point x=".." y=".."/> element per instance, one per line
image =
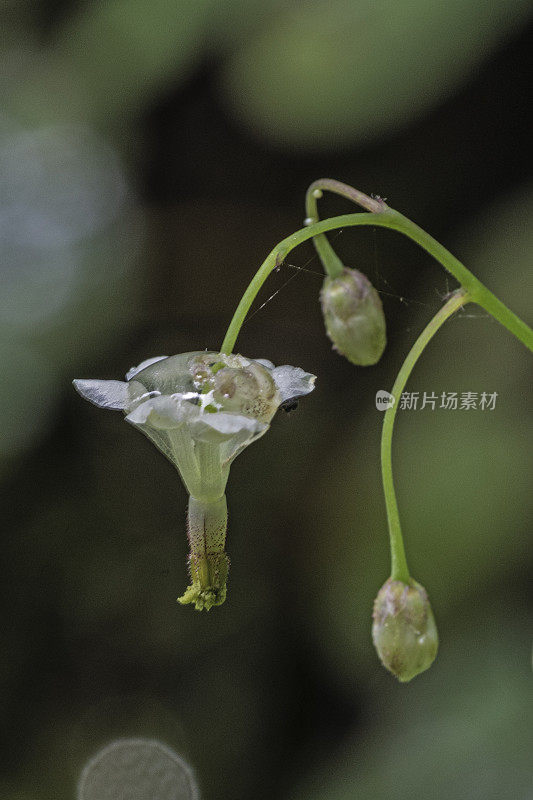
<point x="404" y="631"/>
<point x="354" y="317"/>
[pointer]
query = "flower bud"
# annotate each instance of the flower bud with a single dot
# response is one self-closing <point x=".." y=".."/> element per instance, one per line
<point x="354" y="317"/>
<point x="404" y="631"/>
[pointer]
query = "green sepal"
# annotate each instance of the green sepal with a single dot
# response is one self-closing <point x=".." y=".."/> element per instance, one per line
<point x="209" y="574"/>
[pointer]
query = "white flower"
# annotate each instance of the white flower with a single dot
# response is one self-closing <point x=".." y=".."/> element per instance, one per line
<point x="201" y="410"/>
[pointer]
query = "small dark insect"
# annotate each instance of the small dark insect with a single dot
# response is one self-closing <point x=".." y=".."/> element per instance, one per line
<point x="289" y="405"/>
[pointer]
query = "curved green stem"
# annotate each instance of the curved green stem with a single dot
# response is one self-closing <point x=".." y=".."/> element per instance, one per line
<point x="478" y="291"/>
<point x="373" y="204"/>
<point x="273" y="260"/>
<point x="399" y="569"/>
<point x="400" y="223"/>
<point x="328" y="257"/>
<point x="387" y="218"/>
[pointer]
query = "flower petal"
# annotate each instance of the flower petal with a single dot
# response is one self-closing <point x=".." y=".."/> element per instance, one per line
<point x="230" y="449"/>
<point x="149" y="361"/>
<point x="293" y="382"/>
<point x="105" y="394"/>
<point x="264" y="362"/>
<point x="220" y="426"/>
<point x="163" y="412"/>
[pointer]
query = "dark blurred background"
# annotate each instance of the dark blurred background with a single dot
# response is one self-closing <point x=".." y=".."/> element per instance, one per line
<point x="151" y="155"/>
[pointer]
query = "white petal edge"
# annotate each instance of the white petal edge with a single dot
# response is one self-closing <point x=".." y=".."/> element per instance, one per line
<point x="293" y="382"/>
<point x="221" y="426"/>
<point x="230" y="449"/>
<point x="264" y="362"/>
<point x="149" y="361"/>
<point x="105" y="394"/>
<point x="164" y="412"/>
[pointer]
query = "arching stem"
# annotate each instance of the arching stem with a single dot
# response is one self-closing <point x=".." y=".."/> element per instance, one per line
<point x="399" y="569"/>
<point x="388" y="218"/>
<point x="332" y="264"/>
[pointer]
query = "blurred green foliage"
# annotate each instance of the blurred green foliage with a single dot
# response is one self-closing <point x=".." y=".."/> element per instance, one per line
<point x="326" y="74"/>
<point x="461" y="733"/>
